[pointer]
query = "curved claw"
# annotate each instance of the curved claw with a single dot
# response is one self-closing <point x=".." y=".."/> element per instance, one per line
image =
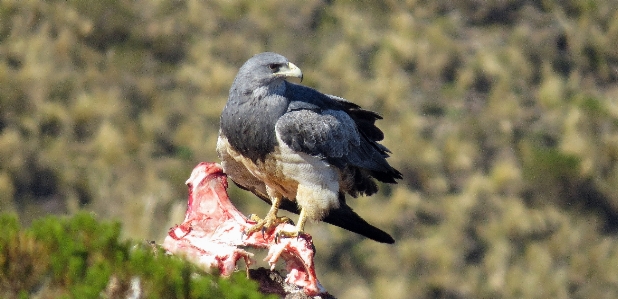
<point x="265" y="224"/>
<point x="287" y="234"/>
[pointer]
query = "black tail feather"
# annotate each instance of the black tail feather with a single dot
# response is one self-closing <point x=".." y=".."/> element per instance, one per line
<point x="346" y="218"/>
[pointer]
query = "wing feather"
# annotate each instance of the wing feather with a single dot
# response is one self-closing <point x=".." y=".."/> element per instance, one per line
<point x="331" y="135"/>
<point x="341" y="133"/>
<point x="325" y="134"/>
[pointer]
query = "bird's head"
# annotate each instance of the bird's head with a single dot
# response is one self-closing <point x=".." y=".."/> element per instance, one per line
<point x="266" y="68"/>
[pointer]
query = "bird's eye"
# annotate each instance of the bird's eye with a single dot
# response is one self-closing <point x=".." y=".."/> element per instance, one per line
<point x="273" y="66"/>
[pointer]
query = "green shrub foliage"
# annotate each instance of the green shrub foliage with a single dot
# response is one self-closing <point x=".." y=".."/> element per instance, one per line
<point x="79" y="257"/>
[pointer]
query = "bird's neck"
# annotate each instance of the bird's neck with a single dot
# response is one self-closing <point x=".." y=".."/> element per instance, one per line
<point x="275" y="88"/>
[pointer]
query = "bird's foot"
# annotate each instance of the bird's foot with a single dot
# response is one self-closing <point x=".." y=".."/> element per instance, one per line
<point x="266" y="224"/>
<point x="288" y="234"/>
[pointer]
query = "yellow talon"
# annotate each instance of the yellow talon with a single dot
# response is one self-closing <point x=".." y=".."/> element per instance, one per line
<point x="270" y="221"/>
<point x="286" y="234"/>
<point x="299" y="228"/>
<point x="266" y="224"/>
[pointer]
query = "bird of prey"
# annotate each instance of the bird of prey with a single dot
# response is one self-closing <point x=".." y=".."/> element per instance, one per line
<point x="299" y="149"/>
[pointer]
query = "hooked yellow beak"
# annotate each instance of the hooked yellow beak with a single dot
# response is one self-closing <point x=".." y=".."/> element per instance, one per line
<point x="291" y="71"/>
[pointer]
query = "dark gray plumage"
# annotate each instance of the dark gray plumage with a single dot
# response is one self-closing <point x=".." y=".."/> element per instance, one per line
<point x="299" y="149"/>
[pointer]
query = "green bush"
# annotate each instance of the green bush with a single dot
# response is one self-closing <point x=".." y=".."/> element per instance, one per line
<point x="79" y="257"/>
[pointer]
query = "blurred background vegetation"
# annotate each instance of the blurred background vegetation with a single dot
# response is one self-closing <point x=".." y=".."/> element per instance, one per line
<point x="502" y="115"/>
